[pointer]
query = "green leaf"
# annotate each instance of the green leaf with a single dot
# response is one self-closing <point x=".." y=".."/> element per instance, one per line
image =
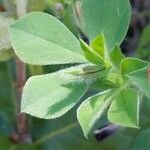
<point x="129" y="65"/>
<point x="144" y="44"/>
<point x="124" y="110"/>
<point x="98" y="45"/>
<point x="90" y="54"/>
<point x="41" y="39"/>
<point x="52" y="95"/>
<point x="92" y="109"/>
<point x="141" y="80"/>
<point x="116" y="56"/>
<point x="109" y="17"/>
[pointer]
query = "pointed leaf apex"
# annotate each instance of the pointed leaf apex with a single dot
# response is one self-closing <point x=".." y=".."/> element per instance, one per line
<point x="90" y="54"/>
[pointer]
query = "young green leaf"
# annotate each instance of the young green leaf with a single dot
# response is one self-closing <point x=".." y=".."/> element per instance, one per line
<point x="129" y="65"/>
<point x="109" y="17"/>
<point x="52" y="95"/>
<point x="124" y="110"/>
<point x="116" y="56"/>
<point x="41" y="39"/>
<point x="141" y="80"/>
<point x="90" y="54"/>
<point x="99" y="46"/>
<point x="92" y="109"/>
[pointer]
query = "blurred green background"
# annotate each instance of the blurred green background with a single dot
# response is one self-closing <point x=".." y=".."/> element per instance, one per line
<point x="64" y="133"/>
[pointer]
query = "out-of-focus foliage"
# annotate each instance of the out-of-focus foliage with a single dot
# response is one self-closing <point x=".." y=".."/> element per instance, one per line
<point x="144" y="44"/>
<point x="7" y="110"/>
<point x="36" y="5"/>
<point x="4" y="35"/>
<point x="5" y="44"/>
<point x="64" y="133"/>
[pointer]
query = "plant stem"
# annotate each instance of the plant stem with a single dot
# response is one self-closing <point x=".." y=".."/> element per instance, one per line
<point x="21" y="77"/>
<point x="35" y="70"/>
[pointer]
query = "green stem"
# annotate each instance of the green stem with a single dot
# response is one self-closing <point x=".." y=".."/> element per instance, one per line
<point x="55" y="133"/>
<point x="35" y="70"/>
